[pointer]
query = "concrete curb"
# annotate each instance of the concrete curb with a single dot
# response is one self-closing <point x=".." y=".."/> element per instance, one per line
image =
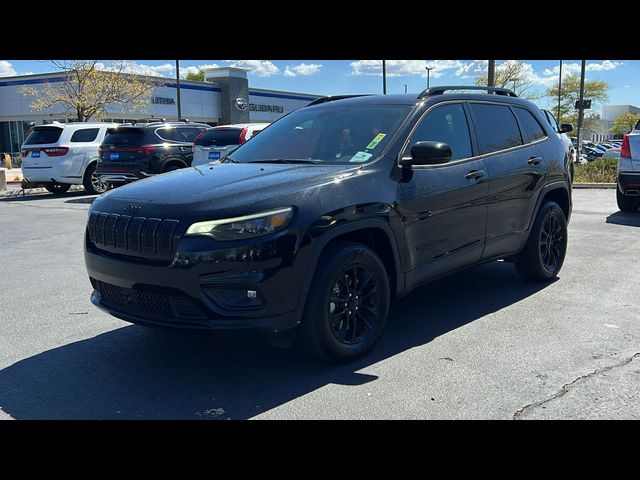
<point x="593" y="185"/>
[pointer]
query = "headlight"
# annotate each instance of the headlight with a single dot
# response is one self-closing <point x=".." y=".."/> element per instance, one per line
<point x="247" y="226"/>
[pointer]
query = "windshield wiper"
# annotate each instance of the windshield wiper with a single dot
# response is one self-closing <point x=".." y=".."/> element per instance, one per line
<point x="229" y="159"/>
<point x="286" y="160"/>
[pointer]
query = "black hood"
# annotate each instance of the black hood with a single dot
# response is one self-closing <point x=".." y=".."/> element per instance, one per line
<point x="226" y="189"/>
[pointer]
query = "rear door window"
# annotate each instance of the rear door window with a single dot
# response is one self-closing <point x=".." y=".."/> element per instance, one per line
<point x="85" y="135"/>
<point x="169" y="134"/>
<point x="531" y="129"/>
<point x="43" y="135"/>
<point x="496" y="126"/>
<point x="220" y="137"/>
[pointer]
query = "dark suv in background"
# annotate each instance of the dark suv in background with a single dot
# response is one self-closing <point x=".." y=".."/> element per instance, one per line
<point x="309" y="230"/>
<point x="132" y="152"/>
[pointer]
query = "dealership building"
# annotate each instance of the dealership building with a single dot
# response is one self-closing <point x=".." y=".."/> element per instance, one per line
<point x="225" y="97"/>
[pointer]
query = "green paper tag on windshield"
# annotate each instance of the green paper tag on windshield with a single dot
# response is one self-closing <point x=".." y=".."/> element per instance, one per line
<point x="376" y="141"/>
<point x="361" y="157"/>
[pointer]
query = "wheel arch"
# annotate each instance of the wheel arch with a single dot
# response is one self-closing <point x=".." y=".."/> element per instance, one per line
<point x="375" y="234"/>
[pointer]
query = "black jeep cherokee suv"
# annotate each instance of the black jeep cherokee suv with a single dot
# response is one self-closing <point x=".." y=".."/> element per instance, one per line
<point x="309" y="230"/>
<point x="129" y="153"/>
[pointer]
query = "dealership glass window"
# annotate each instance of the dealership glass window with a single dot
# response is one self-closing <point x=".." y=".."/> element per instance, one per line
<point x="85" y="135"/>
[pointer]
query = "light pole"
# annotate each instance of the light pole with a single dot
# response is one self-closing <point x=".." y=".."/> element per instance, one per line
<point x="178" y="88"/>
<point x="428" y="69"/>
<point x="491" y="74"/>
<point x="581" y="107"/>
<point x="559" y="91"/>
<point x="384" y="77"/>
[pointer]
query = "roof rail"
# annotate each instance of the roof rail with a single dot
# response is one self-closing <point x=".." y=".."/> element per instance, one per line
<point x="331" y="98"/>
<point x="430" y="92"/>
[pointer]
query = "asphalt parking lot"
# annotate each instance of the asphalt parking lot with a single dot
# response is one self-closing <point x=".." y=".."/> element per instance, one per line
<point x="480" y="344"/>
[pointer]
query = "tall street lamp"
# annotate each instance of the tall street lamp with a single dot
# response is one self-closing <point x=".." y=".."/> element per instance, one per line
<point x="428" y="69"/>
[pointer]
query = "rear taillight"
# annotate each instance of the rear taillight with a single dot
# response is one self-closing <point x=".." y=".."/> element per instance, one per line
<point x="56" y="151"/>
<point x="625" y="152"/>
<point x="195" y="140"/>
<point x="243" y="136"/>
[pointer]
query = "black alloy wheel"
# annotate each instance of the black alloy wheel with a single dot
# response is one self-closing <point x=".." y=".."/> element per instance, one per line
<point x="354" y="305"/>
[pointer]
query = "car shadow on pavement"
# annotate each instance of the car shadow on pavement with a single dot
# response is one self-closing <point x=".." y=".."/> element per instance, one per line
<point x="138" y="373"/>
<point x="85" y="200"/>
<point x="628" y="219"/>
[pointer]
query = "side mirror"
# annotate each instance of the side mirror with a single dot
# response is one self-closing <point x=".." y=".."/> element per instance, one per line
<point x="428" y="153"/>
<point x="566" y="128"/>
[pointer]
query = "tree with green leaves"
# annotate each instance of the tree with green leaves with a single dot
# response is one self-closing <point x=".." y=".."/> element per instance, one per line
<point x="195" y="77"/>
<point x="90" y="86"/>
<point x="594" y="90"/>
<point x="624" y="123"/>
<point x="513" y="74"/>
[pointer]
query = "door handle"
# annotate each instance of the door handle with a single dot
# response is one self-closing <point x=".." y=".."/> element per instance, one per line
<point x="474" y="174"/>
<point x="534" y="160"/>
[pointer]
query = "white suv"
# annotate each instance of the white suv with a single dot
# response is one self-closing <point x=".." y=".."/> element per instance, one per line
<point x="214" y="143"/>
<point x="63" y="154"/>
<point x="628" y="191"/>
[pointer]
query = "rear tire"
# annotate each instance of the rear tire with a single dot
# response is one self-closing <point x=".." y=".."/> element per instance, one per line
<point x="347" y="305"/>
<point x="545" y="250"/>
<point x="57" y="188"/>
<point x="171" y="167"/>
<point x="92" y="183"/>
<point x="626" y="204"/>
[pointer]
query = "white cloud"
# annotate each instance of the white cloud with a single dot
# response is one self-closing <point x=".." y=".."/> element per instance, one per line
<point x="164" y="70"/>
<point x="399" y="68"/>
<point x="575" y="68"/>
<point x="302" y="69"/>
<point x="6" y="69"/>
<point x="472" y="69"/>
<point x="262" y="68"/>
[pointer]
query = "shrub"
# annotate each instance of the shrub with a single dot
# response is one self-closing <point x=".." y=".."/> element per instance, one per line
<point x="601" y="170"/>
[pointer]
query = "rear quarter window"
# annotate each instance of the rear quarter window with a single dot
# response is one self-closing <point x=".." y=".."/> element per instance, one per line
<point x="531" y="129"/>
<point x="85" y="135"/>
<point x="43" y="135"/>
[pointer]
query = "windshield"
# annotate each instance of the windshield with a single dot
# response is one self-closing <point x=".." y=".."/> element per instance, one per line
<point x="329" y="135"/>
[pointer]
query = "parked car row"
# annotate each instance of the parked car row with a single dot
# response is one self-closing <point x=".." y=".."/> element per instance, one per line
<point x="102" y="155"/>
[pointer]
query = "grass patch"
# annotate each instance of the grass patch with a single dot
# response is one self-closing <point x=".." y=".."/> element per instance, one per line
<point x="602" y="170"/>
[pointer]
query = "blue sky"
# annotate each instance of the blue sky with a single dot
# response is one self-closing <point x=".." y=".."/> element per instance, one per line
<point x="364" y="76"/>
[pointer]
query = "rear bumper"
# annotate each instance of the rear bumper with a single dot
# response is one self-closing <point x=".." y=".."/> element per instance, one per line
<point x="629" y="183"/>
<point x="57" y="174"/>
<point x="121" y="176"/>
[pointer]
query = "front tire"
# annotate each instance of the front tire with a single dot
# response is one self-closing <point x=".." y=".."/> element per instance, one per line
<point x="92" y="183"/>
<point x="626" y="204"/>
<point x="545" y="250"/>
<point x="347" y="305"/>
<point x="57" y="188"/>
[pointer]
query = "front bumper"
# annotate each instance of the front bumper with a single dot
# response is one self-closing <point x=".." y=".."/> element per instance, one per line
<point x="202" y="288"/>
<point x="629" y="183"/>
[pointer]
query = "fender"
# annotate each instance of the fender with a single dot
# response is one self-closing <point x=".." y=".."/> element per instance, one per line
<point x="322" y="241"/>
<point x="559" y="185"/>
